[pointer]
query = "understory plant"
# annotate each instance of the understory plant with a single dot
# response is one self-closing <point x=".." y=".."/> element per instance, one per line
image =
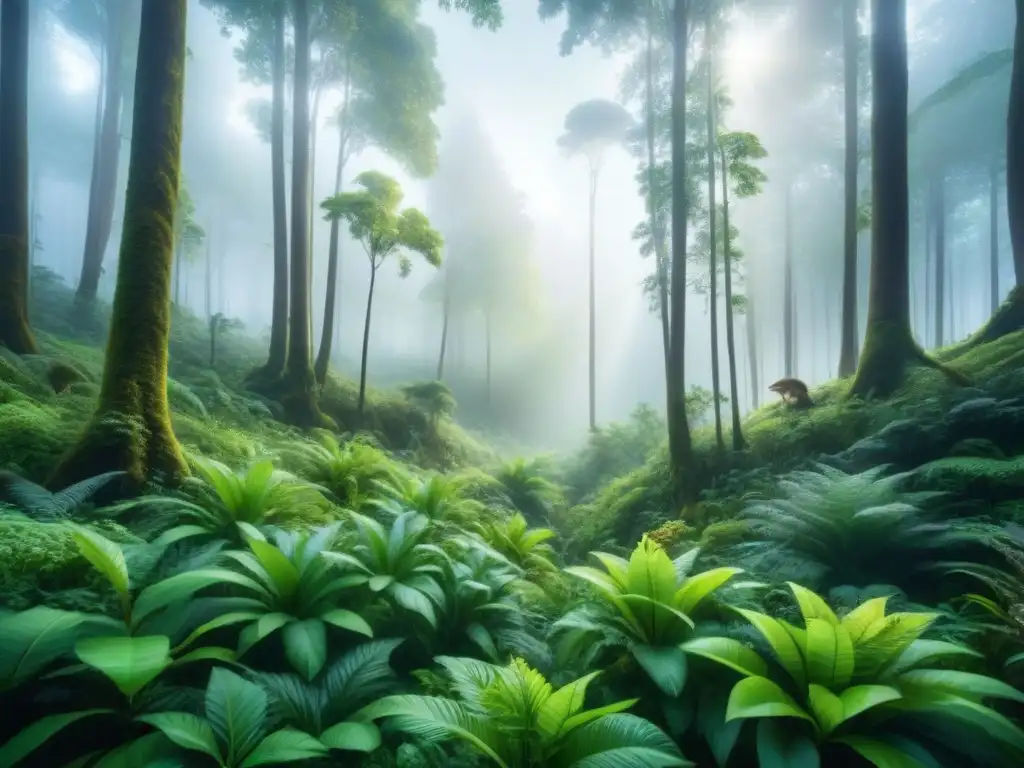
<point x="868" y="684"/>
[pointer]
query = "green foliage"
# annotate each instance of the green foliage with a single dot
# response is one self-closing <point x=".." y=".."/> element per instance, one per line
<point x="525" y="488"/>
<point x="351" y="472"/>
<point x="526" y="548"/>
<point x="512" y="716"/>
<point x="867" y="683"/>
<point x="434" y="397"/>
<point x="593" y="126"/>
<point x="40" y="504"/>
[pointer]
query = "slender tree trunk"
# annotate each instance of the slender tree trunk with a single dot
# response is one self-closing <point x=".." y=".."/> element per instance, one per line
<point x="15" y="333"/>
<point x="752" y="360"/>
<point x="313" y="124"/>
<point x="788" y="320"/>
<point x="680" y="445"/>
<point x="848" y="343"/>
<point x="487" y="334"/>
<point x="299" y="394"/>
<point x="730" y="331"/>
<point x="106" y="158"/>
<point x="939" y="219"/>
<point x="277" y="356"/>
<point x="33" y="237"/>
<point x="213" y="342"/>
<point x="993" y="236"/>
<point x="207" y="294"/>
<point x="131" y="429"/>
<point x="366" y="342"/>
<point x="889" y="345"/>
<point x="1015" y="150"/>
<point x="929" y="258"/>
<point x="446" y="308"/>
<point x="712" y="138"/>
<point x="595" y="170"/>
<point x="323" y="358"/>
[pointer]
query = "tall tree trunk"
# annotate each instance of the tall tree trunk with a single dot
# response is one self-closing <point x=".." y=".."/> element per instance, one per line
<point x="208" y="280"/>
<point x="299" y="393"/>
<point x="1015" y="150"/>
<point x="939" y="220"/>
<point x="594" y="174"/>
<point x="889" y="345"/>
<point x="752" y="361"/>
<point x="313" y="124"/>
<point x="106" y="157"/>
<point x="730" y="331"/>
<point x="680" y="444"/>
<point x="323" y="358"/>
<point x="131" y="429"/>
<point x="15" y="333"/>
<point x="446" y="309"/>
<point x="929" y="254"/>
<point x="366" y="343"/>
<point x="788" y="320"/>
<point x="274" y="367"/>
<point x="993" y="235"/>
<point x="712" y="138"/>
<point x="848" y="344"/>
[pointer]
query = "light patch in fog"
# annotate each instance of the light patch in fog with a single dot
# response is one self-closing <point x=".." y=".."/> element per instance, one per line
<point x="78" y="69"/>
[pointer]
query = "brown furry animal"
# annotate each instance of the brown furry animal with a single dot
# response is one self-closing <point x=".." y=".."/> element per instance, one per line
<point x="793" y="391"/>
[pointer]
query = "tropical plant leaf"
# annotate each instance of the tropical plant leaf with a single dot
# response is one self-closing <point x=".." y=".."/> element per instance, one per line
<point x="187" y="731"/>
<point x="352" y="737"/>
<point x="284" y="746"/>
<point x="237" y="710"/>
<point x="131" y="663"/>
<point x="760" y="697"/>
<point x="305" y="645"/>
<point x="665" y="665"/>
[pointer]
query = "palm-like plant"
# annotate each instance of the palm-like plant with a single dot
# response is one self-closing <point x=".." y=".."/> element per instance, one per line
<point x="294" y="586"/>
<point x="526" y="548"/>
<point x="858" y="529"/>
<point x="398" y="563"/>
<point x="512" y="716"/>
<point x="350" y="471"/>
<point x="438" y="497"/>
<point x="325" y="707"/>
<point x="528" y="491"/>
<point x="40" y="504"/>
<point x="645" y="607"/>
<point x="863" y="683"/>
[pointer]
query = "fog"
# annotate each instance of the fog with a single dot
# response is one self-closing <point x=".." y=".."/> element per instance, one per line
<point x="784" y="77"/>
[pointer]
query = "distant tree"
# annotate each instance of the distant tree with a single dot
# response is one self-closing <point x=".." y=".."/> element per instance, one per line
<point x="189" y="236"/>
<point x="591" y="127"/>
<point x="15" y="333"/>
<point x="131" y="429"/>
<point x="434" y="397"/>
<point x="851" y="57"/>
<point x="374" y="220"/>
<point x="218" y="325"/>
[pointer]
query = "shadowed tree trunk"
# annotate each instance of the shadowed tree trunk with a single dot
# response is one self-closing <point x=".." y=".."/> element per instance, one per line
<point x="849" y="333"/>
<point x="274" y="367"/>
<point x="993" y="235"/>
<point x="788" y="329"/>
<point x="889" y="345"/>
<point x="938" y="202"/>
<point x="15" y="333"/>
<point x="299" y="390"/>
<point x="106" y="157"/>
<point x="716" y="383"/>
<point x="366" y="344"/>
<point x="1015" y="151"/>
<point x="131" y="429"/>
<point x="680" y="443"/>
<point x="446" y="309"/>
<point x="730" y="331"/>
<point x="752" y="361"/>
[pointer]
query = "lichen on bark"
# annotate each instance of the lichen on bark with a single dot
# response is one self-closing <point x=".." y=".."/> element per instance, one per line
<point x="131" y="428"/>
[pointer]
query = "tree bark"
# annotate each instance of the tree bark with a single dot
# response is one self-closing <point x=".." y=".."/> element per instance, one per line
<point x="106" y="158"/>
<point x="299" y="392"/>
<point x="730" y="332"/>
<point x="680" y="443"/>
<point x="789" y="351"/>
<point x="1015" y="149"/>
<point x="889" y="345"/>
<point x="716" y="383"/>
<point x="15" y="332"/>
<point x="310" y="200"/>
<point x="274" y="367"/>
<point x="849" y="332"/>
<point x="131" y="429"/>
<point x="939" y="219"/>
<point x="752" y="360"/>
<point x="366" y="342"/>
<point x="594" y="173"/>
<point x="444" y="328"/>
<point x="993" y="235"/>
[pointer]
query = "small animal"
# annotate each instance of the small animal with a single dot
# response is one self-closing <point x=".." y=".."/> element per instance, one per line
<point x="793" y="391"/>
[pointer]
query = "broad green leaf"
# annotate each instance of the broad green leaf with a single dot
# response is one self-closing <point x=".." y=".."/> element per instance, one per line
<point x="965" y="684"/>
<point x="720" y="735"/>
<point x="349" y="620"/>
<point x="986" y="721"/>
<point x="206" y="653"/>
<point x="728" y="652"/>
<point x="878" y="753"/>
<point x="781" y="641"/>
<point x="601" y="580"/>
<point x="650" y="573"/>
<point x="829" y="654"/>
<point x="413" y="600"/>
<point x="617" y="567"/>
<point x="32" y="639"/>
<point x="183" y="586"/>
<point x="186" y="730"/>
<point x="352" y="737"/>
<point x="237" y="709"/>
<point x="380" y="582"/>
<point x="780" y="746"/>
<point x="811" y="605"/>
<point x="305" y="645"/>
<point x="697" y="588"/>
<point x="619" y="740"/>
<point x="826" y="707"/>
<point x="282" y="572"/>
<point x="105" y="556"/>
<point x="482" y="639"/>
<point x="30" y="738"/>
<point x="261" y="628"/>
<point x="224" y="620"/>
<point x="922" y="651"/>
<point x="857" y="621"/>
<point x="177" y="534"/>
<point x="861" y="698"/>
<point x="284" y="746"/>
<point x="665" y="665"/>
<point x="760" y="697"/>
<point x="561" y="705"/>
<point x="885" y="641"/>
<point x="580" y="719"/>
<point x="151" y="751"/>
<point x="131" y="663"/>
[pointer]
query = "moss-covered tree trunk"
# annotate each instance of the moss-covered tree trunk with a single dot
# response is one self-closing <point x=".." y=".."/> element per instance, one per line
<point x="889" y="345"/>
<point x="277" y="357"/>
<point x="106" y="158"/>
<point x="680" y="443"/>
<point x="323" y="358"/>
<point x="131" y="429"/>
<point x="849" y="329"/>
<point x="730" y="325"/>
<point x="299" y="392"/>
<point x="15" y="333"/>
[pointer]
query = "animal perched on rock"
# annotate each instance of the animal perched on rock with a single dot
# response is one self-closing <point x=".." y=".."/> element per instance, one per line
<point x="793" y="391"/>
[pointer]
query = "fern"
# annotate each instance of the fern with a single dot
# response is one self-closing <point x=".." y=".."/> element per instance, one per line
<point x="40" y="504"/>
